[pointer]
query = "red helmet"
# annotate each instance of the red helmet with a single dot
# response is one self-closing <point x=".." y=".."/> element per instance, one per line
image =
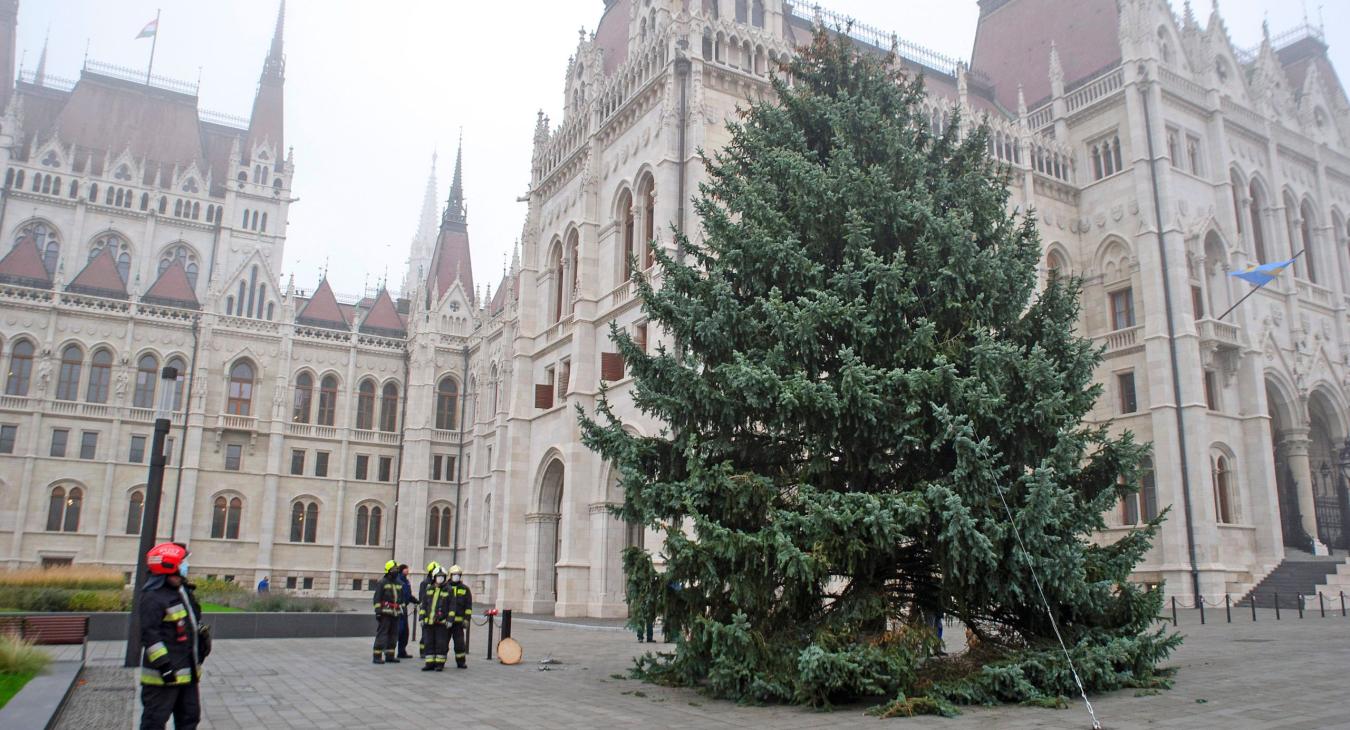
<point x="164" y="558"/>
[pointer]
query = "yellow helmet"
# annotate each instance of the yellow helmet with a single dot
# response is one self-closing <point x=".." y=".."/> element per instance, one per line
<point x="455" y="569"/>
<point x="389" y="565"/>
<point x="432" y="566"/>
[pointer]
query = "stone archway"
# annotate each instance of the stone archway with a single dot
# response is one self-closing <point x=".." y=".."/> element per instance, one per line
<point x="1293" y="473"/>
<point x="547" y="519"/>
<point x="1325" y="436"/>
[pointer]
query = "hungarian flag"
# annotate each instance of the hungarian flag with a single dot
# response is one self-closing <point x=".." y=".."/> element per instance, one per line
<point x="150" y="29"/>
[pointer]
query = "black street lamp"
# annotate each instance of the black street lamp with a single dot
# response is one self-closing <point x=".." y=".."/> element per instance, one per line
<point x="154" y="489"/>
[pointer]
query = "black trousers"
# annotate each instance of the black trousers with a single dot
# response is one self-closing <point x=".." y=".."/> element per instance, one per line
<point x="386" y="634"/>
<point x="180" y="702"/>
<point x="403" y="633"/>
<point x="436" y="640"/>
<point x="457" y="636"/>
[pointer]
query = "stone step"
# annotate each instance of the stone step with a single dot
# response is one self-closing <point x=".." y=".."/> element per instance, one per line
<point x="1298" y="575"/>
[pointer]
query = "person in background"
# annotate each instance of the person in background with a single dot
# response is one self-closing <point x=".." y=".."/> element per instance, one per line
<point x="461" y="608"/>
<point x="264" y="585"/>
<point x="422" y="597"/>
<point x="174" y="642"/>
<point x="387" y="593"/>
<point x="405" y="599"/>
<point x="435" y="613"/>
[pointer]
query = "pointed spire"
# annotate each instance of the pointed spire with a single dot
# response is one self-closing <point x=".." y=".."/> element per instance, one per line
<point x="41" y="74"/>
<point x="276" y="61"/>
<point x="426" y="224"/>
<point x="266" y="123"/>
<point x="1056" y="71"/>
<point x="454" y="206"/>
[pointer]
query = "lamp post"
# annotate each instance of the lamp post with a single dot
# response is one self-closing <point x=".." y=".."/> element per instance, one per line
<point x="154" y="489"/>
<point x="1342" y="498"/>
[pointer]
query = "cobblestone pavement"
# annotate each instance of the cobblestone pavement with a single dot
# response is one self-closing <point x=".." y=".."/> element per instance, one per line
<point x="1287" y="674"/>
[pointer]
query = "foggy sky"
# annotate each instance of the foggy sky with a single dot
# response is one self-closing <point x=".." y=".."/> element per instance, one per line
<point x="370" y="95"/>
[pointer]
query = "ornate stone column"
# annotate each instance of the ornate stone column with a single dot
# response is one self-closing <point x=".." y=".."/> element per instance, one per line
<point x="1295" y="442"/>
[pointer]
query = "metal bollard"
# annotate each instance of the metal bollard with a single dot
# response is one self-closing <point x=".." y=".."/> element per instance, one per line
<point x="1300" y="605"/>
<point x="1200" y="603"/>
<point x="1342" y="603"/>
<point x="506" y="623"/>
<point x="491" y="617"/>
<point x="1174" y="610"/>
<point x="1253" y="602"/>
<point x="1321" y="606"/>
<point x="1277" y="606"/>
<point x="1228" y="607"/>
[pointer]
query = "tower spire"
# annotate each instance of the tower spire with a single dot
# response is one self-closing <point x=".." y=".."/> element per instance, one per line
<point x="266" y="123"/>
<point x="41" y="74"/>
<point x="424" y="243"/>
<point x="454" y="205"/>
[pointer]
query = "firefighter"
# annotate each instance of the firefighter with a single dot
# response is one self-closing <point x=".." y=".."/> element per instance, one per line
<point x="387" y="593"/>
<point x="462" y="612"/>
<point x="435" y="614"/>
<point x="174" y="642"/>
<point x="421" y="596"/>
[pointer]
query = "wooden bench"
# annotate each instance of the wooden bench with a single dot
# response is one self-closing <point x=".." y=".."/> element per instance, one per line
<point x="53" y="630"/>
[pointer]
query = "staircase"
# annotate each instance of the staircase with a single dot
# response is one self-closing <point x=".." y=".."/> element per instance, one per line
<point x="1301" y="573"/>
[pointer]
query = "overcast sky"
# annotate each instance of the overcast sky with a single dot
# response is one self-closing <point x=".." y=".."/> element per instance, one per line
<point x="371" y="93"/>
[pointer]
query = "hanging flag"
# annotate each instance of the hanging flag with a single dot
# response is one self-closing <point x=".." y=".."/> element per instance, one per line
<point x="149" y="30"/>
<point x="1263" y="274"/>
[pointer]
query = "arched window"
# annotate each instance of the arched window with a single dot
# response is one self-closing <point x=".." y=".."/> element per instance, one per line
<point x="389" y="407"/>
<point x="183" y="255"/>
<point x="447" y="403"/>
<point x="1311" y="254"/>
<point x="1223" y="496"/>
<point x="365" y="405"/>
<point x="147" y="375"/>
<point x="368" y="518"/>
<point x="44" y="236"/>
<point x="68" y="380"/>
<point x="135" y="509"/>
<point x="757" y="14"/>
<point x="100" y="376"/>
<point x="556" y="266"/>
<point x="1142" y="506"/>
<point x="20" y="368"/>
<point x="1258" y="225"/>
<point x="1238" y="209"/>
<point x="741" y="14"/>
<point x="178" y="365"/>
<point x="1054" y="264"/>
<point x="327" y="401"/>
<point x="626" y="216"/>
<point x="304" y="521"/>
<point x="63" y="511"/>
<point x="121" y="252"/>
<point x="438" y="526"/>
<point x="239" y="401"/>
<point x="487" y="520"/>
<point x="574" y="263"/>
<point x="304" y="396"/>
<point x="225" y="514"/>
<point x="495" y="385"/>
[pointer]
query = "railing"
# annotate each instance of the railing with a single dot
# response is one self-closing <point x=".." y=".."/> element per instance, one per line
<point x="237" y="423"/>
<point x="298" y="429"/>
<point x="878" y="38"/>
<point x="247" y="323"/>
<point x="95" y="410"/>
<point x="381" y="437"/>
<point x="59" y="83"/>
<point x="130" y="74"/>
<point x="1121" y="339"/>
<point x="388" y="437"/>
<point x="1182" y="86"/>
<point x="14" y="402"/>
<point x="1097" y="90"/>
<point x="1213" y="330"/>
<point x="1042" y="117"/>
<point x="223" y="119"/>
<point x="1279" y="40"/>
<point x="1310" y="292"/>
<point x="1322" y="603"/>
<point x="66" y="407"/>
<point x="445" y="436"/>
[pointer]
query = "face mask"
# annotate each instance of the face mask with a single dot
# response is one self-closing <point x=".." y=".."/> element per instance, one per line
<point x="183" y="568"/>
<point x="455" y="578"/>
<point x="440" y="580"/>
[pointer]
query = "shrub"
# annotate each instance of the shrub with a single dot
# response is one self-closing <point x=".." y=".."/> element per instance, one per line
<point x="63" y="599"/>
<point x="75" y="577"/>
<point x="99" y="601"/>
<point x="21" y="657"/>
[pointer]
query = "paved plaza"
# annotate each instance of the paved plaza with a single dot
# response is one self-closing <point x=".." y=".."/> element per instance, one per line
<point x="1287" y="674"/>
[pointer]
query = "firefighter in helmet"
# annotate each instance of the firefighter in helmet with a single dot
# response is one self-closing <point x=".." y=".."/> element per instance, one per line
<point x="462" y="613"/>
<point x="435" y="614"/>
<point x="174" y="642"/>
<point x="387" y="593"/>
<point x="421" y="597"/>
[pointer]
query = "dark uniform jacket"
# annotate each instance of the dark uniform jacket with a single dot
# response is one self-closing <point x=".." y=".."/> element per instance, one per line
<point x="462" y="605"/>
<point x="437" y="604"/>
<point x="173" y="646"/>
<point x="387" y="594"/>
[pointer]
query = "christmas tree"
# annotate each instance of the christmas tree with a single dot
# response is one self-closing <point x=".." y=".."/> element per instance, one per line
<point x="867" y="392"/>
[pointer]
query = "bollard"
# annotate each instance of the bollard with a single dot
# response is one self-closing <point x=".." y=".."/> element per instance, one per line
<point x="491" y="622"/>
<point x="1228" y="607"/>
<point x="1300" y="605"/>
<point x="1174" y="610"/>
<point x="506" y="623"/>
<point x="1277" y="606"/>
<point x="1321" y="606"/>
<point x="1253" y="602"/>
<point x="1200" y="603"/>
<point x="1342" y="603"/>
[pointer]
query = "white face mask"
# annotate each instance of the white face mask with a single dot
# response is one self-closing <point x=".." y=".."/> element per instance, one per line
<point x="455" y="578"/>
<point x="440" y="579"/>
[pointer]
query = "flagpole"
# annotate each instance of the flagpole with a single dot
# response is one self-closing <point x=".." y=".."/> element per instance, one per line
<point x="154" y="40"/>
<point x="1253" y="291"/>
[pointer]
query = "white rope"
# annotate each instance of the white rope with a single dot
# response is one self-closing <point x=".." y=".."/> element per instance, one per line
<point x="1096" y="725"/>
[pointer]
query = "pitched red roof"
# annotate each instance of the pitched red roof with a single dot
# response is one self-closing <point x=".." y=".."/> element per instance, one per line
<point x="611" y="34"/>
<point x="1012" y="44"/>
<point x="451" y="260"/>
<point x="172" y="288"/>
<point x="23" y="266"/>
<point x="498" y="303"/>
<point x="100" y="278"/>
<point x="104" y="113"/>
<point x="383" y="317"/>
<point x="322" y="309"/>
<point x="1303" y="54"/>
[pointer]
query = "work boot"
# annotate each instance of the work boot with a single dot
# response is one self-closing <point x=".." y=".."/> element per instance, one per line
<point x="389" y="658"/>
<point x="440" y="667"/>
<point x="429" y="667"/>
<point x="378" y="660"/>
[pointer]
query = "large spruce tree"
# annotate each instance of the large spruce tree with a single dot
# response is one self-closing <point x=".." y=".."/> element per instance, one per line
<point x="864" y="370"/>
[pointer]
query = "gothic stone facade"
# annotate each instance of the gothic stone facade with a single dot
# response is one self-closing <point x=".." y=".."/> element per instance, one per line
<point x="317" y="437"/>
